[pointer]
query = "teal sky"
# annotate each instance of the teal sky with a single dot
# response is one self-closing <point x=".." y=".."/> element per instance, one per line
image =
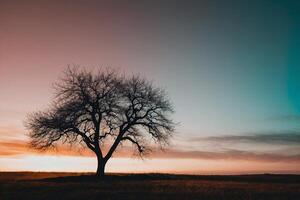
<point x="231" y="68"/>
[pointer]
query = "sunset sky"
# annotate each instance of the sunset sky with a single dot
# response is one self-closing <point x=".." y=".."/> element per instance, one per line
<point x="231" y="69"/>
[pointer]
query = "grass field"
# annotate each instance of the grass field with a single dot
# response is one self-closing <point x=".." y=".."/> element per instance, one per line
<point x="75" y="186"/>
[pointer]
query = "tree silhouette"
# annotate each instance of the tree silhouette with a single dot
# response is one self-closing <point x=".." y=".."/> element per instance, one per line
<point x="105" y="107"/>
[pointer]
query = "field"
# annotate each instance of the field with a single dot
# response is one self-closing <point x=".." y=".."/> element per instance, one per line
<point x="75" y="186"/>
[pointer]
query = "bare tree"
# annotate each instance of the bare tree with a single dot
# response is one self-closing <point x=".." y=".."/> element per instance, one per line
<point x="96" y="109"/>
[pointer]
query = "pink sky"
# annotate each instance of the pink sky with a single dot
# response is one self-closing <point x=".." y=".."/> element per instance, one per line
<point x="226" y="101"/>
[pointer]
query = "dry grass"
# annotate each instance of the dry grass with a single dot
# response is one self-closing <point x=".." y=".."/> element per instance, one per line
<point x="40" y="186"/>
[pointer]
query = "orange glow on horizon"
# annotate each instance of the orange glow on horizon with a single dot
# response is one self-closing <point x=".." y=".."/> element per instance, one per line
<point x="131" y="165"/>
<point x="15" y="155"/>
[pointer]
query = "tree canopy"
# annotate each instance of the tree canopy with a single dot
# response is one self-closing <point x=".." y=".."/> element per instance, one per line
<point x="103" y="107"/>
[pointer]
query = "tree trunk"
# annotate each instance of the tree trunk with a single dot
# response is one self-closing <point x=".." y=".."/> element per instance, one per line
<point x="101" y="166"/>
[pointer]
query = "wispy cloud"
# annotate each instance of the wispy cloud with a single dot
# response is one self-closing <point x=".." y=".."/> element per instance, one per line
<point x="13" y="148"/>
<point x="274" y="146"/>
<point x="282" y="138"/>
<point x="20" y="147"/>
<point x="230" y="155"/>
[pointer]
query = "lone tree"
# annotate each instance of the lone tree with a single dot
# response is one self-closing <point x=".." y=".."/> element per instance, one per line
<point x="103" y="108"/>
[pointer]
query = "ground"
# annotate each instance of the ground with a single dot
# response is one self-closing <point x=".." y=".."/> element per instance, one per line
<point x="67" y="186"/>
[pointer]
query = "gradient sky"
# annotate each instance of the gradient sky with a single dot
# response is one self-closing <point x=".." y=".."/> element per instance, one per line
<point x="231" y="68"/>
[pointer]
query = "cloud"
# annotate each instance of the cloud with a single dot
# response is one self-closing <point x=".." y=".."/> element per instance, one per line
<point x="13" y="148"/>
<point x="229" y="155"/>
<point x="16" y="147"/>
<point x="276" y="138"/>
<point x="20" y="147"/>
<point x="285" y="147"/>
